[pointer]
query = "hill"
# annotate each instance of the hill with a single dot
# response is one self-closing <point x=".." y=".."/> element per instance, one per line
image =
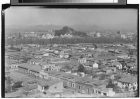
<point x="71" y="31"/>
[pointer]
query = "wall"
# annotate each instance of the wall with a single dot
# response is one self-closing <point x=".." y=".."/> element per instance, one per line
<point x="58" y="87"/>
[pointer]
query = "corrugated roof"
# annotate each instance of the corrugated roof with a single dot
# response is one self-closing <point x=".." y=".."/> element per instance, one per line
<point x="36" y="68"/>
<point x="128" y="78"/>
<point x="48" y="82"/>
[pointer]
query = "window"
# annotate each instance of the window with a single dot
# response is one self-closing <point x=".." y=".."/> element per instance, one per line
<point x="93" y="91"/>
<point x="44" y="92"/>
<point x="79" y="87"/>
<point x="46" y="87"/>
<point x="88" y="90"/>
<point x="105" y="94"/>
<point x="96" y="91"/>
<point x="73" y="85"/>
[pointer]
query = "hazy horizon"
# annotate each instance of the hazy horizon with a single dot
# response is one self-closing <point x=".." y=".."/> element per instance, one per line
<point x="117" y="19"/>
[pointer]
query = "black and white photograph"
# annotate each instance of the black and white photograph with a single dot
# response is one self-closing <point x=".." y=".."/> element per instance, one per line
<point x="71" y="52"/>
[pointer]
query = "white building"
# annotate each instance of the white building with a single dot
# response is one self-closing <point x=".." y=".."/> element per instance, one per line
<point x="95" y="65"/>
<point x="48" y="36"/>
<point x="82" y="60"/>
<point x="98" y="34"/>
<point x="66" y="35"/>
<point x="123" y="36"/>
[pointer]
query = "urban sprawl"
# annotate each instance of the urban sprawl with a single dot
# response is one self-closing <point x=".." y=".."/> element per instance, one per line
<point x="86" y="69"/>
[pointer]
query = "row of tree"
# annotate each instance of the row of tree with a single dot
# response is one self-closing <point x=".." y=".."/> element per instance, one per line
<point x="66" y="40"/>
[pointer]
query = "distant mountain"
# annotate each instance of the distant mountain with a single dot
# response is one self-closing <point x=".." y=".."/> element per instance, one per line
<point x="83" y="28"/>
<point x="69" y="30"/>
<point x="37" y="28"/>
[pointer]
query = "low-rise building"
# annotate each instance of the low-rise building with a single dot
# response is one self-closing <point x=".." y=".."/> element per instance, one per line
<point x="84" y="85"/>
<point x="91" y="64"/>
<point x="32" y="70"/>
<point x="117" y="64"/>
<point x="127" y="82"/>
<point x="50" y="86"/>
<point x="14" y="67"/>
<point x="82" y="60"/>
<point x="49" y="67"/>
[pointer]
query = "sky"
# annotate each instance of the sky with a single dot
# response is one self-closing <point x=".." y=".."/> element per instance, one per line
<point x="108" y="18"/>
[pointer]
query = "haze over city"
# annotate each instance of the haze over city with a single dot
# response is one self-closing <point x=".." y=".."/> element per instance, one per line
<point x="82" y="19"/>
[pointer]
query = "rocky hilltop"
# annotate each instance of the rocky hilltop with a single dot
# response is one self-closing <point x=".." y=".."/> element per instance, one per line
<point x="69" y="31"/>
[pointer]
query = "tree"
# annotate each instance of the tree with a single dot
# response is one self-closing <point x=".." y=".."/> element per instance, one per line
<point x="46" y="87"/>
<point x="100" y="64"/>
<point x="118" y="32"/>
<point x="115" y="87"/>
<point x="130" y="52"/>
<point x="81" y="68"/>
<point x="17" y="85"/>
<point x="7" y="87"/>
<point x="136" y="94"/>
<point x="110" y="84"/>
<point x="82" y="56"/>
<point x="95" y="46"/>
<point x="8" y="84"/>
